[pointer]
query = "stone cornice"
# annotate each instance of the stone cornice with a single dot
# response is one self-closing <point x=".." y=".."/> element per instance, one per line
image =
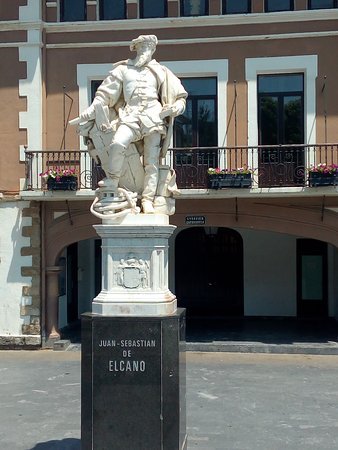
<point x="199" y="40"/>
<point x="174" y="22"/>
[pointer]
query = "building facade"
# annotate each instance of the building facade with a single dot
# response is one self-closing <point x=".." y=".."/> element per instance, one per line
<point x="262" y="103"/>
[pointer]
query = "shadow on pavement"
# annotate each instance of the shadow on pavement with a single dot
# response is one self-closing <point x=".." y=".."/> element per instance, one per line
<point x="64" y="444"/>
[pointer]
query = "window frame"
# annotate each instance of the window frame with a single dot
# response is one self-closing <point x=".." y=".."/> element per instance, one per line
<point x="62" y="19"/>
<point x="224" y="8"/>
<point x="308" y="64"/>
<point x="141" y="10"/>
<point x="206" y="3"/>
<point x="101" y="11"/>
<point x="266" y="7"/>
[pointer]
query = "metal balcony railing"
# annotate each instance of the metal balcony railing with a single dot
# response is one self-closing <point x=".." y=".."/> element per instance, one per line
<point x="272" y="165"/>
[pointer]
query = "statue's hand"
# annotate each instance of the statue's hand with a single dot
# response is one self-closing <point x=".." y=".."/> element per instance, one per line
<point x="168" y="111"/>
<point x="75" y="121"/>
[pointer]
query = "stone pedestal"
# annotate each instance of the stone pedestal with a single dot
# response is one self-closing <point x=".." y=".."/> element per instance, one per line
<point x="133" y="360"/>
<point x="135" y="267"/>
<point x="133" y="382"/>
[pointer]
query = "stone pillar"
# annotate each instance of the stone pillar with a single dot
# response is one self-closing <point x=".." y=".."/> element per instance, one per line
<point x="52" y="310"/>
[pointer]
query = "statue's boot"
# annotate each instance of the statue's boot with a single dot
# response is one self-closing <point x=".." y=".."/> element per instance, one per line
<point x="113" y="167"/>
<point x="148" y="207"/>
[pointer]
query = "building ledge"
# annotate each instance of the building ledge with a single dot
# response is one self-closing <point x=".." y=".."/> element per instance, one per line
<point x="88" y="194"/>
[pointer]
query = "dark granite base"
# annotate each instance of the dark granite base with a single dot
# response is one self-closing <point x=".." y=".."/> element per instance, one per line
<point x="133" y="383"/>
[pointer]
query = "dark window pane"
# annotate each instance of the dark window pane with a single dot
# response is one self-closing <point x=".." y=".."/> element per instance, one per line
<point x="322" y="4"/>
<point x="112" y="9"/>
<point x="268" y="107"/>
<point x="200" y="86"/>
<point x="94" y="86"/>
<point x="183" y="127"/>
<point x="280" y="83"/>
<point x="207" y="125"/>
<point x="293" y="119"/>
<point x="194" y="8"/>
<point x="73" y="10"/>
<point x="236" y="6"/>
<point x="278" y="5"/>
<point x="153" y="8"/>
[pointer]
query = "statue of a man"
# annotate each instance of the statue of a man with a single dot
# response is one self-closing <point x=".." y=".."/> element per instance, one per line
<point x="140" y="98"/>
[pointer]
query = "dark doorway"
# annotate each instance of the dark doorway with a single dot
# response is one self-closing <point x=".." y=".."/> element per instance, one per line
<point x="312" y="294"/>
<point x="209" y="272"/>
<point x="280" y="122"/>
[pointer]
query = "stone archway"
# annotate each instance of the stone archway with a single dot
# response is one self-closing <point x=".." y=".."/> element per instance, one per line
<point x="63" y="227"/>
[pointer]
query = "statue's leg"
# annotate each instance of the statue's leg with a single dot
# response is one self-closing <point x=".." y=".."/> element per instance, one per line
<point x="151" y="163"/>
<point x="116" y="154"/>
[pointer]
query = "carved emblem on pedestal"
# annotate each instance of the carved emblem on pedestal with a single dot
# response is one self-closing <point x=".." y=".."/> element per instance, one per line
<point x="133" y="273"/>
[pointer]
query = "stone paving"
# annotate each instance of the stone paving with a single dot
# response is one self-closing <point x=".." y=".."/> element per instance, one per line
<point x="235" y="401"/>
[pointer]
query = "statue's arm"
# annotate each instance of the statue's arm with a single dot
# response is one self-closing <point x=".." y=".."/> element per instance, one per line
<point x="175" y="95"/>
<point x="107" y="94"/>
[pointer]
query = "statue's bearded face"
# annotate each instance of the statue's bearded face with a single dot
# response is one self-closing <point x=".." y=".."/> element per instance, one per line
<point x="144" y="54"/>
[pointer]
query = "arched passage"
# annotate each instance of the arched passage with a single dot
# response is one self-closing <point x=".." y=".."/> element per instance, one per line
<point x="209" y="271"/>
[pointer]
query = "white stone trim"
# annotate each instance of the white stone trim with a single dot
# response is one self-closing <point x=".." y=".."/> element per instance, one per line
<point x="307" y="64"/>
<point x="198" y="68"/>
<point x="85" y="74"/>
<point x="30" y="12"/>
<point x="31" y="87"/>
<point x="208" y="68"/>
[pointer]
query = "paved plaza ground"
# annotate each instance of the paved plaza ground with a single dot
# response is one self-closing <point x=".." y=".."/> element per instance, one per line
<point x="234" y="401"/>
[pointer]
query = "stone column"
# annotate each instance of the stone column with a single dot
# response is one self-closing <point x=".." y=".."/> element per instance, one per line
<point x="52" y="309"/>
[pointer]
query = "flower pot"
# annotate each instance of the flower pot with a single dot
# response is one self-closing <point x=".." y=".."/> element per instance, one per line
<point x="62" y="184"/>
<point x="322" y="179"/>
<point x="229" y="180"/>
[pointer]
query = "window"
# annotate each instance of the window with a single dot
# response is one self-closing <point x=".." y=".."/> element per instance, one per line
<point x="194" y="7"/>
<point x="197" y="127"/>
<point x="236" y="6"/>
<point x="278" y="5"/>
<point x="322" y="4"/>
<point x="281" y="121"/>
<point x="153" y="8"/>
<point x="281" y="109"/>
<point x="112" y="9"/>
<point x="73" y="10"/>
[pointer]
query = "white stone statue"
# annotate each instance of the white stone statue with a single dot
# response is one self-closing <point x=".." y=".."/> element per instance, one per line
<point x="128" y="128"/>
